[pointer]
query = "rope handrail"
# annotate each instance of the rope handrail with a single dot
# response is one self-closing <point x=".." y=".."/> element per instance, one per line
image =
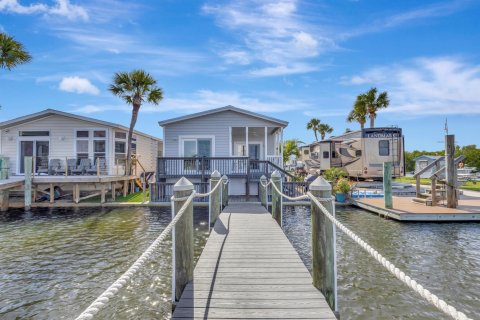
<point x="200" y="195"/>
<point x="302" y="197"/>
<point x="103" y="299"/>
<point x="399" y="274"/>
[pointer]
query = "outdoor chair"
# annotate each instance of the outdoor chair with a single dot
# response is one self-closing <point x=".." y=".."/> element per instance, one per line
<point x="84" y="164"/>
<point x="42" y="167"/>
<point x="101" y="163"/>
<point x="54" y="165"/>
<point x="71" y="164"/>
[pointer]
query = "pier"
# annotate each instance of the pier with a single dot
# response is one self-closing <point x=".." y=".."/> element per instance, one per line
<point x="249" y="270"/>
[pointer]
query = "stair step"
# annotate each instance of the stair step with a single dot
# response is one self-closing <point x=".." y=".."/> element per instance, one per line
<point x="427" y="202"/>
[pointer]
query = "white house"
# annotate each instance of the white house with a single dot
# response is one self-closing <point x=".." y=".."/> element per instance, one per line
<point x="239" y="143"/>
<point x="54" y="137"/>
<point x="424" y="160"/>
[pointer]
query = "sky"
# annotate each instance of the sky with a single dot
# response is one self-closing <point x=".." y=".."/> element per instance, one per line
<point x="288" y="59"/>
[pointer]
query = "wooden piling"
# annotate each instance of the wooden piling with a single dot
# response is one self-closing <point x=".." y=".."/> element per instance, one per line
<point x="182" y="238"/>
<point x="224" y="191"/>
<point x="102" y="193"/>
<point x="113" y="187"/>
<point x="324" y="266"/>
<point x="276" y="197"/>
<point x="262" y="191"/>
<point x="451" y="179"/>
<point x="125" y="188"/>
<point x="387" y="185"/>
<point x="28" y="167"/>
<point x="4" y="194"/>
<point x="214" y="198"/>
<point x="51" y="193"/>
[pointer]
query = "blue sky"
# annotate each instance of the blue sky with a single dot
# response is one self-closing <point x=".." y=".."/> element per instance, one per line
<point x="288" y="59"/>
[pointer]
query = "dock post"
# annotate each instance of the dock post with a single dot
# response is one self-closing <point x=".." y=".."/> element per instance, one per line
<point x="113" y="187"/>
<point x="51" y="193"/>
<point x="324" y="264"/>
<point x="28" y="161"/>
<point x="214" y="198"/>
<point x="387" y="185"/>
<point x="102" y="192"/>
<point x="5" y="194"/>
<point x="224" y="191"/>
<point x="450" y="170"/>
<point x="262" y="191"/>
<point x="182" y="238"/>
<point x="276" y="197"/>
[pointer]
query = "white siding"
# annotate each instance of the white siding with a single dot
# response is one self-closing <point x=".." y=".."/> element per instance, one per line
<point x="217" y="125"/>
<point x="147" y="151"/>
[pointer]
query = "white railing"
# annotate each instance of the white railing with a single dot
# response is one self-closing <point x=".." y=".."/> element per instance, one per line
<point x="277" y="160"/>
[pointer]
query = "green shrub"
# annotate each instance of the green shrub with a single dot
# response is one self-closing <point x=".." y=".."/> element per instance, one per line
<point x="343" y="186"/>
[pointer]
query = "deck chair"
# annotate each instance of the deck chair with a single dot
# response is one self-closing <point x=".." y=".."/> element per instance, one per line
<point x="53" y="165"/>
<point x="84" y="164"/>
<point x="71" y="164"/>
<point x="42" y="167"/>
<point x="101" y="162"/>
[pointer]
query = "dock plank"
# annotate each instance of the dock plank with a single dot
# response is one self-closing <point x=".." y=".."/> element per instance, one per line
<point x="249" y="270"/>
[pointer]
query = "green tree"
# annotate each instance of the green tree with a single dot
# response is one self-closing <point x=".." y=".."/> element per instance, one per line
<point x="375" y="102"/>
<point x="313" y="125"/>
<point x="324" y="128"/>
<point x="12" y="52"/>
<point x="134" y="88"/>
<point x="359" y="111"/>
<point x="290" y="148"/>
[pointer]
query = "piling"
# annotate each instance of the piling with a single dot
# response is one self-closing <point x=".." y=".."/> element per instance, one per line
<point x="28" y="161"/>
<point x="387" y="185"/>
<point x="214" y="197"/>
<point x="182" y="238"/>
<point x="224" y="191"/>
<point x="5" y="194"/>
<point x="262" y="191"/>
<point x="450" y="177"/>
<point x="276" y="197"/>
<point x="323" y="243"/>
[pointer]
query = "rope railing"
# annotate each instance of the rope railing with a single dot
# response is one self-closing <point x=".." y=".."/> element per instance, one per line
<point x="102" y="300"/>
<point x="399" y="274"/>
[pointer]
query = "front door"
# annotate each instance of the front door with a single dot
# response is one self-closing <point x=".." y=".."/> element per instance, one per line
<point x="33" y="148"/>
<point x="254" y="154"/>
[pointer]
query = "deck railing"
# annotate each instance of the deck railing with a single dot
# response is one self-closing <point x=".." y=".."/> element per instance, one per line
<point x="163" y="191"/>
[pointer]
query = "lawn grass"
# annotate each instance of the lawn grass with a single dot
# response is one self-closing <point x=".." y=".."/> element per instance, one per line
<point x="470" y="185"/>
<point x="133" y="197"/>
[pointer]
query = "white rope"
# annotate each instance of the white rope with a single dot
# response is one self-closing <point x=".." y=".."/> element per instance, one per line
<point x="198" y="195"/>
<point x="302" y="197"/>
<point x="427" y="295"/>
<point x="266" y="184"/>
<point x="103" y="299"/>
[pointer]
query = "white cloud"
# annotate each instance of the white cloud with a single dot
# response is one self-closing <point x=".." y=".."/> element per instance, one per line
<point x="61" y="8"/>
<point x="78" y="85"/>
<point x="428" y="86"/>
<point x="90" y="108"/>
<point x="283" y="70"/>
<point x="272" y="33"/>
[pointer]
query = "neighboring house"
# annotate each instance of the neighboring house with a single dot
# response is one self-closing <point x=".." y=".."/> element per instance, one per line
<point x="234" y="141"/>
<point x="51" y="134"/>
<point x="424" y="160"/>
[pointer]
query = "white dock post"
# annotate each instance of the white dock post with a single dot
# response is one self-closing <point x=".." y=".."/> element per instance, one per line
<point x="214" y="198"/>
<point x="263" y="191"/>
<point x="28" y="167"/>
<point x="224" y="191"/>
<point x="324" y="260"/>
<point x="276" y="197"/>
<point x="182" y="240"/>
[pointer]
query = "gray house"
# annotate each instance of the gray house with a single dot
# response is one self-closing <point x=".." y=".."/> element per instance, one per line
<point x="239" y="143"/>
<point x="423" y="161"/>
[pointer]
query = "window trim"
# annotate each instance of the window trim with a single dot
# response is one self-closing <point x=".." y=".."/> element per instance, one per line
<point x="196" y="137"/>
<point x="91" y="139"/>
<point x="383" y="148"/>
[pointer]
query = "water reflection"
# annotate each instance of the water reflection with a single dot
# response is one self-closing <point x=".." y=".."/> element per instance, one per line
<point x="444" y="257"/>
<point x="54" y="263"/>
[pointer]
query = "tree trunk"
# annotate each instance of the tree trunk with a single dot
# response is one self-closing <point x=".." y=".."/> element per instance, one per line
<point x="372" y="120"/>
<point x="323" y="135"/>
<point x="133" y="121"/>
<point x="316" y="137"/>
<point x="362" y="125"/>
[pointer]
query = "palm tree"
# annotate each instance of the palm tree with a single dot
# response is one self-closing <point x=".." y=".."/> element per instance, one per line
<point x="12" y="53"/>
<point x="359" y="112"/>
<point x="290" y="148"/>
<point x="324" y="128"/>
<point x="374" y="103"/>
<point x="134" y="88"/>
<point x="313" y="125"/>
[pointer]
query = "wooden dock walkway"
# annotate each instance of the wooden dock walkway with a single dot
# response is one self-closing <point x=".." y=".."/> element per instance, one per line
<point x="249" y="270"/>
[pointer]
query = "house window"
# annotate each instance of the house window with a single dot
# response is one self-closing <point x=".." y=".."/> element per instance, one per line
<point x="384" y="147"/>
<point x="197" y="147"/>
<point x="422" y="164"/>
<point x="91" y="143"/>
<point x="306" y="151"/>
<point x="326" y="154"/>
<point x="34" y="133"/>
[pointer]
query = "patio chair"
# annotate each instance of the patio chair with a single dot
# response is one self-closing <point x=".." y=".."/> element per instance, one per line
<point x="42" y="166"/>
<point x="71" y="164"/>
<point x="53" y="165"/>
<point x="101" y="162"/>
<point x="84" y="164"/>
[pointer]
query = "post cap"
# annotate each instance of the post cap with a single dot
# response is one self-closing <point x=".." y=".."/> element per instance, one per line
<point x="263" y="177"/>
<point x="183" y="185"/>
<point x="276" y="174"/>
<point x="215" y="174"/>
<point x="320" y="184"/>
<point x="224" y="177"/>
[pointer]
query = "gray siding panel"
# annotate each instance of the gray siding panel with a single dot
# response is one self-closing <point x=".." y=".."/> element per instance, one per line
<point x="215" y="124"/>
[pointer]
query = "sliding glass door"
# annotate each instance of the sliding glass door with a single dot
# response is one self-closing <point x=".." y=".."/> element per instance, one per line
<point x="40" y="150"/>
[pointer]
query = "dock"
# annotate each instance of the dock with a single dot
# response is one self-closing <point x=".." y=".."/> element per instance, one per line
<point x="404" y="209"/>
<point x="249" y="270"/>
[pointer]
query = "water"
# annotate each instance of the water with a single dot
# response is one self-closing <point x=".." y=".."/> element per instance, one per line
<point x="444" y="257"/>
<point x="54" y="263"/>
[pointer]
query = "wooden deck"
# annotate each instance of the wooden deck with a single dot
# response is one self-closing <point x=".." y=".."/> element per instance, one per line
<point x="404" y="209"/>
<point x="249" y="270"/>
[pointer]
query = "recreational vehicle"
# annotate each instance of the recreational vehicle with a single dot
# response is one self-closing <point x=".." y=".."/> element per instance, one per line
<point x="360" y="153"/>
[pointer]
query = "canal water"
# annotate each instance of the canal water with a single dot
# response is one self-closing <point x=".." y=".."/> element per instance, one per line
<point x="54" y="263"/>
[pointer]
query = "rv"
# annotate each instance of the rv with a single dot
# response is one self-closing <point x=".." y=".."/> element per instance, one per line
<point x="360" y="153"/>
